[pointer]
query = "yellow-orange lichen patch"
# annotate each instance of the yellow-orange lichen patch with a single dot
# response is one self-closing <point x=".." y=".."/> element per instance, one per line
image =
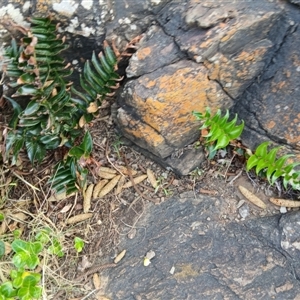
<point x="140" y="130"/>
<point x="271" y="124"/>
<point x="206" y="43"/>
<point x="177" y="96"/>
<point x="229" y="34"/>
<point x="150" y="84"/>
<point x="143" y="53"/>
<point x="44" y="5"/>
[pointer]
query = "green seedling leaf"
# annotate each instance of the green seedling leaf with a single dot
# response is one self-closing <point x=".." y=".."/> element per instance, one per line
<point x="26" y="78"/>
<point x="2" y="217"/>
<point x="26" y="253"/>
<point x="109" y="54"/>
<point x="261" y="150"/>
<point x="43" y="235"/>
<point x="29" y="290"/>
<point x="26" y="90"/>
<point x="35" y="151"/>
<point x="7" y="290"/>
<point x="236" y="131"/>
<point x="17" y="110"/>
<point x="78" y="244"/>
<point x="17" y="233"/>
<point x="56" y="248"/>
<point x="222" y="142"/>
<point x="102" y="74"/>
<point x="50" y="141"/>
<point x="77" y="152"/>
<point x="2" y="249"/>
<point x="87" y="144"/>
<point x="32" y="108"/>
<point x="106" y="66"/>
<point x="224" y="119"/>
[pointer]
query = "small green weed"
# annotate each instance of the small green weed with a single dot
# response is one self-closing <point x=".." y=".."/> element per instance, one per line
<point x="220" y="130"/>
<point x="220" y="133"/>
<point x="24" y="283"/>
<point x="78" y="244"/>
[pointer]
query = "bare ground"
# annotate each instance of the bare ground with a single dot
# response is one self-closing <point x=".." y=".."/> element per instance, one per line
<point x="25" y="196"/>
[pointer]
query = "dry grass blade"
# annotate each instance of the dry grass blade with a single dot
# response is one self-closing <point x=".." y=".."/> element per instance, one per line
<point x="99" y="187"/>
<point x="87" y="196"/>
<point x="151" y="178"/>
<point x="252" y="198"/>
<point x="136" y="180"/>
<point x="109" y="186"/>
<point x="285" y="203"/>
<point x="26" y="182"/>
<point x="79" y="218"/>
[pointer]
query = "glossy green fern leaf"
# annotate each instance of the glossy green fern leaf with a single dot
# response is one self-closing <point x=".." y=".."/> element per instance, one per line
<point x="55" y="107"/>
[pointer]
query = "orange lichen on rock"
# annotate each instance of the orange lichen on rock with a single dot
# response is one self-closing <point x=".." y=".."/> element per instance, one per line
<point x="164" y="101"/>
<point x="143" y="53"/>
<point x="271" y="124"/>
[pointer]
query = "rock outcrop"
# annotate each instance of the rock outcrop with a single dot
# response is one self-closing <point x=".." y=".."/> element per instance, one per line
<point x="199" y="256"/>
<point x="240" y="55"/>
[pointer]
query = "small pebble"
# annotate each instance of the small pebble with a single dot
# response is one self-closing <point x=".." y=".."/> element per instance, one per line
<point x="244" y="211"/>
<point x="283" y="210"/>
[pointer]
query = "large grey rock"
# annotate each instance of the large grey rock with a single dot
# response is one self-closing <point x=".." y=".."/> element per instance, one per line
<point x="269" y="106"/>
<point x="213" y="258"/>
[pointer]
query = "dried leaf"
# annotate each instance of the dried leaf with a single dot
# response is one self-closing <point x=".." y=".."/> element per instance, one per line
<point x="120" y="256"/>
<point x="125" y="171"/>
<point x="96" y="281"/>
<point x="7" y="248"/>
<point x="120" y="185"/>
<point x="18" y="216"/>
<point x="87" y="196"/>
<point x="107" y="170"/>
<point x="136" y="180"/>
<point x="66" y="208"/>
<point x="3" y="228"/>
<point x="101" y="297"/>
<point x="82" y="121"/>
<point x="106" y="175"/>
<point x="109" y="186"/>
<point x="150" y="254"/>
<point x="93" y="107"/>
<point x="85" y="264"/>
<point x="59" y="197"/>
<point x="252" y="198"/>
<point x="151" y="178"/>
<point x="99" y="187"/>
<point x="79" y="218"/>
<point x="284" y="202"/>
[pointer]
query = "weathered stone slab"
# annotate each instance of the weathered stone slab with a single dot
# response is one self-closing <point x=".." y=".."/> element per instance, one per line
<point x="155" y="51"/>
<point x="238" y="43"/>
<point x="213" y="259"/>
<point x="157" y="108"/>
<point x="270" y="107"/>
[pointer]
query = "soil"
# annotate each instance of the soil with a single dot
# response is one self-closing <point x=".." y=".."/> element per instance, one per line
<point x="25" y="201"/>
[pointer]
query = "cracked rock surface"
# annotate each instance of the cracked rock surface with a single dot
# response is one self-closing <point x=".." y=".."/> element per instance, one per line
<point x="200" y="256"/>
<point x="233" y="47"/>
<point x="241" y="55"/>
